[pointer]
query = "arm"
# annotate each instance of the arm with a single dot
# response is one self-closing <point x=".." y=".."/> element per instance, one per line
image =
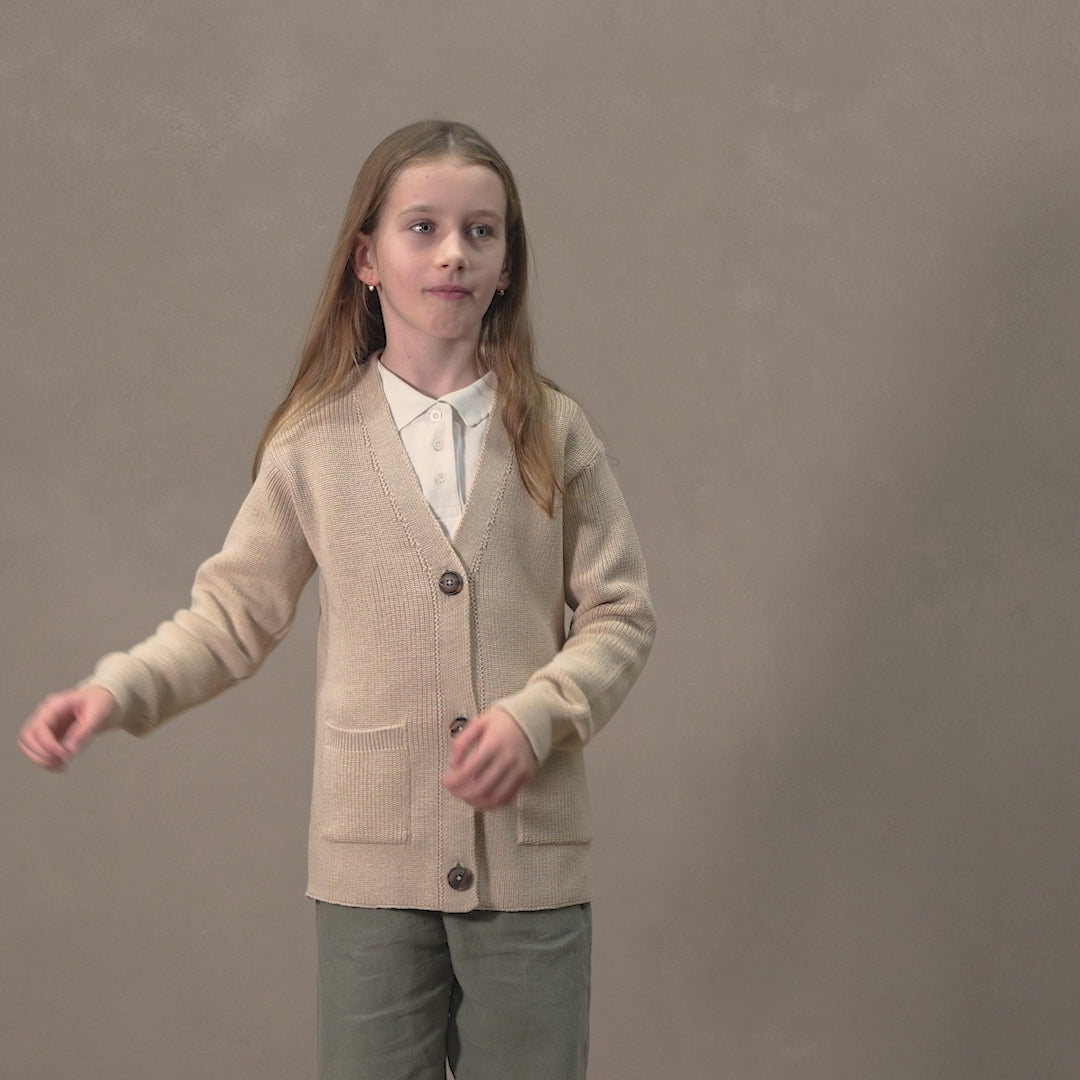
<point x="570" y="698"/>
<point x="242" y="604"/>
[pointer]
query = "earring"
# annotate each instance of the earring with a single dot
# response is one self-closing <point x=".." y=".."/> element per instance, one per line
<point x="501" y="292"/>
<point x="371" y="288"/>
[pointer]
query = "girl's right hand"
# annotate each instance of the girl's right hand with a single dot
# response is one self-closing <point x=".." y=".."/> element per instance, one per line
<point x="63" y="724"/>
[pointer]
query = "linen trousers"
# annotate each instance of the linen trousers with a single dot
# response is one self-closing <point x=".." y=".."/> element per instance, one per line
<point x="500" y="995"/>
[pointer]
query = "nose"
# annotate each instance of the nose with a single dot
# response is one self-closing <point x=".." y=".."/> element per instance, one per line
<point x="451" y="253"/>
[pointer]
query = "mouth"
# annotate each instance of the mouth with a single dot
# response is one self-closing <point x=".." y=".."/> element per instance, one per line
<point x="450" y="292"/>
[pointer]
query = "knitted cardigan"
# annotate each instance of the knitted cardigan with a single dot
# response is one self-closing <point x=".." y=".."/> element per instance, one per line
<point x="400" y="657"/>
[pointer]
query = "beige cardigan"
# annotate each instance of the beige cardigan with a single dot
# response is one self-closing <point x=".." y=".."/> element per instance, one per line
<point x="401" y="655"/>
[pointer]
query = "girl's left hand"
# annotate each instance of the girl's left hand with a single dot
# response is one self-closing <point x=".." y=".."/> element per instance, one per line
<point x="492" y="758"/>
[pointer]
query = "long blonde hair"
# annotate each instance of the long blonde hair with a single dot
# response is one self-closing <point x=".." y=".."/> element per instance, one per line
<point x="347" y="326"/>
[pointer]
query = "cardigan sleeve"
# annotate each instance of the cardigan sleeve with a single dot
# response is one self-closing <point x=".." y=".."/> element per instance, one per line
<point x="243" y="603"/>
<point x="570" y="698"/>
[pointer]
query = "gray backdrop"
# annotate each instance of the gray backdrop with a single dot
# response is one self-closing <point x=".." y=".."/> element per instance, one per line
<point x="813" y="268"/>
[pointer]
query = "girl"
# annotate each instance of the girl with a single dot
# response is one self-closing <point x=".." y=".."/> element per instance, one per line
<point x="454" y="504"/>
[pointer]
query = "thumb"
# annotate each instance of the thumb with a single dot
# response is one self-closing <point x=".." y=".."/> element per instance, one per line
<point x="91" y="715"/>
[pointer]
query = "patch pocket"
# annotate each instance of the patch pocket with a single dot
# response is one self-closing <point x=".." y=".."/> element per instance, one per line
<point x="553" y="807"/>
<point x="365" y="779"/>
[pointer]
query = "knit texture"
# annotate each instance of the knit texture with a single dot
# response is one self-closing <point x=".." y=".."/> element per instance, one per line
<point x="399" y="658"/>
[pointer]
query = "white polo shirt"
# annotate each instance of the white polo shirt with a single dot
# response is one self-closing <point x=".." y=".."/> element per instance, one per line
<point x="442" y="437"/>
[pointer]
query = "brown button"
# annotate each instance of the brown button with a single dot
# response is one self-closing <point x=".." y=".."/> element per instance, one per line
<point x="457" y="725"/>
<point x="460" y="878"/>
<point x="451" y="583"/>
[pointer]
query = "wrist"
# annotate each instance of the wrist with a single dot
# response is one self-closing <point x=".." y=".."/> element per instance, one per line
<point x="104" y="704"/>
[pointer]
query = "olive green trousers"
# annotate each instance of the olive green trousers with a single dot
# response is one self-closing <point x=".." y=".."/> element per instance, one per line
<point x="499" y="995"/>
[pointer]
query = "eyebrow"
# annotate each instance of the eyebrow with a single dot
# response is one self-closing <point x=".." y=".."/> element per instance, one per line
<point x="422" y="208"/>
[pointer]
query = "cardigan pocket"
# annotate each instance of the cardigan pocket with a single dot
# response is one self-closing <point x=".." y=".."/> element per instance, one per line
<point x="366" y="782"/>
<point x="553" y="807"/>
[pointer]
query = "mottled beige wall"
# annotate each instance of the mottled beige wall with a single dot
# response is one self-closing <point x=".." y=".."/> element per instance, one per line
<point x="814" y="268"/>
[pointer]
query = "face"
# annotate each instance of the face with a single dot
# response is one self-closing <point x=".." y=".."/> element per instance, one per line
<point x="438" y="253"/>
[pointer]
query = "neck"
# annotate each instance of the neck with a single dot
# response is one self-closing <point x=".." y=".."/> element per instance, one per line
<point x="433" y="371"/>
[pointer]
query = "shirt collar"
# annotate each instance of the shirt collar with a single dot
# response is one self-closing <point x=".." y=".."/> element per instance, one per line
<point x="472" y="403"/>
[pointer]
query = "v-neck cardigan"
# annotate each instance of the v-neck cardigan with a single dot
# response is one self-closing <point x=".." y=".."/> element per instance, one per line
<point x="417" y="630"/>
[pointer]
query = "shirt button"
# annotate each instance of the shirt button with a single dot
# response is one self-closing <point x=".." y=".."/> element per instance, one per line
<point x="440" y="478"/>
<point x="457" y="725"/>
<point x="460" y="878"/>
<point x="436" y="415"/>
<point x="438" y="444"/>
<point x="451" y="583"/>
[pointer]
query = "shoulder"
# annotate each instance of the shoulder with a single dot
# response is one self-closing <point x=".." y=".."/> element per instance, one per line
<point x="321" y="429"/>
<point x="574" y="439"/>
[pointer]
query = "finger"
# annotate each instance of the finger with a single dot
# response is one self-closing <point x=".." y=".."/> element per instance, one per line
<point x="40" y="730"/>
<point x="466" y="781"/>
<point x="29" y="746"/>
<point x="491" y="789"/>
<point x="461" y="780"/>
<point x="499" y="793"/>
<point x="87" y="723"/>
<point x="493" y="799"/>
<point x="509" y="786"/>
<point x="57" y="711"/>
<point x="76" y="736"/>
<point x="471" y="747"/>
<point x="50" y="764"/>
<point x="483" y="763"/>
<point x="466" y="739"/>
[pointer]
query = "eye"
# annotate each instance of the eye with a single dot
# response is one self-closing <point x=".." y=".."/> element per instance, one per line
<point x="482" y="231"/>
<point x="422" y="227"/>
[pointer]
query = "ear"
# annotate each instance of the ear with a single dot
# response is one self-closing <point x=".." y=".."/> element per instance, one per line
<point x="363" y="260"/>
<point x="504" y="276"/>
